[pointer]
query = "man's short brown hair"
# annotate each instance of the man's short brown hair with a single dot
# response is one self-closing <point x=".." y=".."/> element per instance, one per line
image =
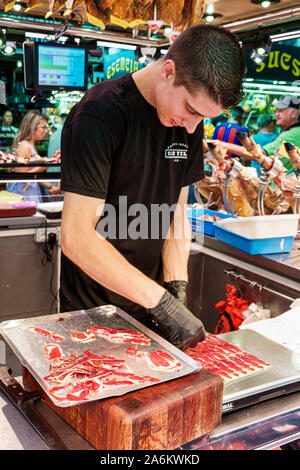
<point x="210" y="57"/>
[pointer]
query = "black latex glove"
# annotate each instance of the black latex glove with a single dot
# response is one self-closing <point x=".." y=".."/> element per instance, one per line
<point x="178" y="289"/>
<point x="174" y="322"/>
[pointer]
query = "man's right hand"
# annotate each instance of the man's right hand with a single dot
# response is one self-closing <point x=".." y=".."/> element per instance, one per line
<point x="176" y="323"/>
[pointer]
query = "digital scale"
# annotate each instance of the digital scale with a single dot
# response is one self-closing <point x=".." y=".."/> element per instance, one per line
<point x="280" y="379"/>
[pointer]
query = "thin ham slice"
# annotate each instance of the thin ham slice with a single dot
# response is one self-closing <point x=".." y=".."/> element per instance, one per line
<point x="46" y="333"/>
<point x="120" y="335"/>
<point x="157" y="360"/>
<point x="160" y="360"/>
<point x="133" y="351"/>
<point x="82" y="337"/>
<point x="53" y="351"/>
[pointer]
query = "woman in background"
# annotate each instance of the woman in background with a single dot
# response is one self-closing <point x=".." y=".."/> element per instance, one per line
<point x="32" y="129"/>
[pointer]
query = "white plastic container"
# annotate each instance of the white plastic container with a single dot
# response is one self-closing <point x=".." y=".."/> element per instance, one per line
<point x="261" y="227"/>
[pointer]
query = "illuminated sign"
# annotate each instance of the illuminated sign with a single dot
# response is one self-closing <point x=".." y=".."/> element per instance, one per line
<point x="119" y="64"/>
<point x="282" y="63"/>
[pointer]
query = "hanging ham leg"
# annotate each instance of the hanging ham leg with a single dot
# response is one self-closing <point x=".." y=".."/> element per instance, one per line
<point x="54" y="6"/>
<point x="169" y="11"/>
<point x="273" y="199"/>
<point x="238" y="199"/>
<point x="8" y="5"/>
<point x="294" y="154"/>
<point x="98" y="12"/>
<point x="32" y="4"/>
<point x="71" y="5"/>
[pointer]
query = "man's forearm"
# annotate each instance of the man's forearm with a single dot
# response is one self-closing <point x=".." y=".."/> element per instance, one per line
<point x="176" y="248"/>
<point x="102" y="262"/>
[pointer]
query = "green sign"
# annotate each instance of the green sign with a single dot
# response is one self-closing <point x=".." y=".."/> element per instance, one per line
<point x="282" y="63"/>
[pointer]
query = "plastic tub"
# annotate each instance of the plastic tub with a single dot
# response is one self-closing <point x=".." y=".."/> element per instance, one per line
<point x="268" y="226"/>
<point x="259" y="235"/>
<point x="201" y="225"/>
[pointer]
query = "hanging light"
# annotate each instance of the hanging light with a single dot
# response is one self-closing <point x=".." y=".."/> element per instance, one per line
<point x="210" y="17"/>
<point x="265" y="3"/>
<point x="19" y="5"/>
<point x="261" y="50"/>
<point x="9" y="48"/>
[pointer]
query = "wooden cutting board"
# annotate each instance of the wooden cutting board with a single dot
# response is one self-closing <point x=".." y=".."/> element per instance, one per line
<point x="162" y="416"/>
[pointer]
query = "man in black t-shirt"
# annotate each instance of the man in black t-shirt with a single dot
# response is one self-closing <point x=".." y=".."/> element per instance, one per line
<point x="130" y="149"/>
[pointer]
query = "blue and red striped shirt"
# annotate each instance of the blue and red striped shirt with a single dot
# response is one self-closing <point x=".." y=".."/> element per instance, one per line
<point x="226" y="132"/>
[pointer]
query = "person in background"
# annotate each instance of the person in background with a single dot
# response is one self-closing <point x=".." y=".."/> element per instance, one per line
<point x="7" y="131"/>
<point x="264" y="136"/>
<point x="54" y="146"/>
<point x="287" y="117"/>
<point x="219" y="120"/>
<point x="33" y="128"/>
<point x="226" y="131"/>
<point x="265" y="133"/>
<point x="55" y="138"/>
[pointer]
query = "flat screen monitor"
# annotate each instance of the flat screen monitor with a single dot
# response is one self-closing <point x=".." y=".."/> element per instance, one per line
<point x="60" y="67"/>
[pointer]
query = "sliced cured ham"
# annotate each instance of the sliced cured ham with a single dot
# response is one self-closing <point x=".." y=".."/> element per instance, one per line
<point x="157" y="360"/>
<point x="59" y="393"/>
<point x="117" y="382"/>
<point x="127" y="379"/>
<point x="82" y="337"/>
<point x="160" y="360"/>
<point x="46" y="333"/>
<point x="53" y="351"/>
<point x="78" y="378"/>
<point x="136" y="378"/>
<point x="83" y="390"/>
<point x="224" y="359"/>
<point x="120" y="335"/>
<point x="133" y="351"/>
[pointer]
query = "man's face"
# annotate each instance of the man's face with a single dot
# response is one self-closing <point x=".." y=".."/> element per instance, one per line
<point x="7" y="118"/>
<point x="177" y="107"/>
<point x="285" y="117"/>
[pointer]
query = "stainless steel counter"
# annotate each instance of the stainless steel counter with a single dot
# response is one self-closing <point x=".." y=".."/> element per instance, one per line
<point x="286" y="264"/>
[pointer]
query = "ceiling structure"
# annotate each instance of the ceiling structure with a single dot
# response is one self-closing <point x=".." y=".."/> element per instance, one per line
<point x="241" y="16"/>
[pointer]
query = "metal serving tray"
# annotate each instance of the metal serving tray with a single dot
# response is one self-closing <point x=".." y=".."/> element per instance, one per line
<point x="29" y="347"/>
<point x="282" y="378"/>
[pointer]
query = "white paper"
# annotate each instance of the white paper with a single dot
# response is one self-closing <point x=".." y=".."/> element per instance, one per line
<point x="284" y="329"/>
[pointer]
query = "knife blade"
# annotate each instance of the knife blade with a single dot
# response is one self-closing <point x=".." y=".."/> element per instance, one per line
<point x="58" y="434"/>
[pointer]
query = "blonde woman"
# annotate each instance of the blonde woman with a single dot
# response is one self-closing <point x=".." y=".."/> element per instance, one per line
<point x="32" y="129"/>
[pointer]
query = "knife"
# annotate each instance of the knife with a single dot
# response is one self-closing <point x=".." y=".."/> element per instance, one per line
<point x="58" y="434"/>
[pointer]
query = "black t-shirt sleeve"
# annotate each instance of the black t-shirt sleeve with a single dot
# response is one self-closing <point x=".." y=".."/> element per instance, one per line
<point x="194" y="167"/>
<point x="87" y="147"/>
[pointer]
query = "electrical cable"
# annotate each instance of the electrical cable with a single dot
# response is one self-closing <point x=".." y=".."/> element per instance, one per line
<point x="48" y="248"/>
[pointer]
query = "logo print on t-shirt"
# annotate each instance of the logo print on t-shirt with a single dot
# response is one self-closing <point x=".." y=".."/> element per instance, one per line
<point x="177" y="152"/>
